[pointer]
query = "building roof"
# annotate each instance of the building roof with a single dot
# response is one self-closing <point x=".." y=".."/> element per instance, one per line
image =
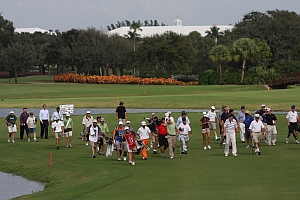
<point x="30" y="30"/>
<point x="153" y="30"/>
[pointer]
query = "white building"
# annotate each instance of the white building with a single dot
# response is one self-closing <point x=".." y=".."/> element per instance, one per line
<point x="31" y="30"/>
<point x="177" y="28"/>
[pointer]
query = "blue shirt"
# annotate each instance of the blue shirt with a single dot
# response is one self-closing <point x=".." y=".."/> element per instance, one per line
<point x="264" y="118"/>
<point x="241" y="117"/>
<point x="248" y="121"/>
<point x="179" y="121"/>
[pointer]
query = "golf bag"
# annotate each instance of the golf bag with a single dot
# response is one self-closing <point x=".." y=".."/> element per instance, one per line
<point x="109" y="148"/>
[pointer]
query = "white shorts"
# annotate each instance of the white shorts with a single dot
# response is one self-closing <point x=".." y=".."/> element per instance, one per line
<point x="68" y="134"/>
<point x="12" y="129"/>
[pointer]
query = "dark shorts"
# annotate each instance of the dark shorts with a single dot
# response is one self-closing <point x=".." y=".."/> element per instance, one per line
<point x="31" y="130"/>
<point x="162" y="140"/>
<point x="247" y="133"/>
<point x="293" y="127"/>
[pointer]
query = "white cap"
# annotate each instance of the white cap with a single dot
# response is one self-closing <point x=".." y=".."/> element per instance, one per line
<point x="94" y="121"/>
<point x="268" y="109"/>
<point x="205" y="116"/>
<point x="166" y="114"/>
<point x="102" y="120"/>
<point x="12" y="112"/>
<point x="143" y="123"/>
<point x="68" y="115"/>
<point x="213" y="108"/>
<point x="54" y="118"/>
<point x="128" y="122"/>
<point x="263" y="105"/>
<point x="169" y="112"/>
<point x="120" y="123"/>
<point x="153" y="114"/>
<point x="257" y="115"/>
<point x="126" y="128"/>
<point x="204" y="113"/>
<point x="88" y="112"/>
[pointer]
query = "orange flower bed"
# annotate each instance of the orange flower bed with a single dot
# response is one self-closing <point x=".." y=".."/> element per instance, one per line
<point x="76" y="78"/>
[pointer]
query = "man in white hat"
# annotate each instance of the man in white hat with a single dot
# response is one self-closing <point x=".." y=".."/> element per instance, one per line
<point x="168" y="116"/>
<point x="117" y="139"/>
<point x="12" y="124"/>
<point x="256" y="130"/>
<point x="69" y="130"/>
<point x="271" y="127"/>
<point x="87" y="121"/>
<point x="57" y="131"/>
<point x="144" y="133"/>
<point x="94" y="133"/>
<point x="212" y="115"/>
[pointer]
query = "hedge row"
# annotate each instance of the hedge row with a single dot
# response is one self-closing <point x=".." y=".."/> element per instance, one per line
<point x="76" y="78"/>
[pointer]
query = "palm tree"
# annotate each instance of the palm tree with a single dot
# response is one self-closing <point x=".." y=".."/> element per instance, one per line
<point x="214" y="33"/>
<point x="243" y="50"/>
<point x="136" y="26"/>
<point x="220" y="55"/>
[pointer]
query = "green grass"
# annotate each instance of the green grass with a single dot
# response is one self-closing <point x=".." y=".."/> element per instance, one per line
<point x="198" y="175"/>
<point x="34" y="91"/>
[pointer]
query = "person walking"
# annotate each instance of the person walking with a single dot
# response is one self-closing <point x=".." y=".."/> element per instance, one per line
<point x="185" y="131"/>
<point x="57" y="131"/>
<point x="271" y="127"/>
<point x="154" y="135"/>
<point x="205" y="122"/>
<point x="31" y="124"/>
<point x="168" y="115"/>
<point x="128" y="124"/>
<point x="12" y="124"/>
<point x="241" y="120"/>
<point x="292" y="121"/>
<point x="172" y="130"/>
<point x="104" y="129"/>
<point x="248" y="120"/>
<point x="87" y="121"/>
<point x="224" y="116"/>
<point x="256" y="130"/>
<point x="230" y="131"/>
<point x="56" y="114"/>
<point x="23" y="124"/>
<point x="94" y="133"/>
<point x="183" y="115"/>
<point x="44" y="121"/>
<point x="117" y="139"/>
<point x="220" y="122"/>
<point x="144" y="133"/>
<point x="68" y="130"/>
<point x="130" y="140"/>
<point x="121" y="112"/>
<point x="212" y="115"/>
<point x="162" y="136"/>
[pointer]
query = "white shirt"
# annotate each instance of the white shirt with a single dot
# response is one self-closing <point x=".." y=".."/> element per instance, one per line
<point x="87" y="122"/>
<point x="57" y="116"/>
<point x="144" y="132"/>
<point x="31" y="122"/>
<point x="256" y="126"/>
<point x="93" y="133"/>
<point x="179" y="120"/>
<point x="212" y="116"/>
<point x="184" y="128"/>
<point x="230" y="126"/>
<point x="44" y="115"/>
<point x="292" y="116"/>
<point x="171" y="119"/>
<point x="58" y="126"/>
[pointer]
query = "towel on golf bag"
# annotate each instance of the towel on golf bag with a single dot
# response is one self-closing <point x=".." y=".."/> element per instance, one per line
<point x="109" y="150"/>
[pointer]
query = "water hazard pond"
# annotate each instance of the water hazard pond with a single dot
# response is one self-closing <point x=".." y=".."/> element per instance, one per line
<point x="12" y="186"/>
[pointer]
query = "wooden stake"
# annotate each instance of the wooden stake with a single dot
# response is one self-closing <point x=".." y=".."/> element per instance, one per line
<point x="50" y="159"/>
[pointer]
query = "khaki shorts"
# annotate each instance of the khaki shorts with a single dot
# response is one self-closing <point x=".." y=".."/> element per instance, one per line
<point x="12" y="129"/>
<point x="94" y="144"/>
<point x="154" y="138"/>
<point x="205" y="130"/>
<point x="256" y="136"/>
<point x="212" y="126"/>
<point x="58" y="135"/>
<point x="68" y="134"/>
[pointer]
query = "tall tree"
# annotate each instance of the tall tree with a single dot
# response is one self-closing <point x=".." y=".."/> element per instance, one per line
<point x="214" y="33"/>
<point x="243" y="50"/>
<point x="135" y="26"/>
<point x="6" y="31"/>
<point x="220" y="54"/>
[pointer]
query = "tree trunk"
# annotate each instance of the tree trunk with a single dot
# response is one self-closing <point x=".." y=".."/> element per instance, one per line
<point x="221" y="75"/>
<point x="243" y="70"/>
<point x="134" y="42"/>
<point x="48" y="70"/>
<point x="16" y="77"/>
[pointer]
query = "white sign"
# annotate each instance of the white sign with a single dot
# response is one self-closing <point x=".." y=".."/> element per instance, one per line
<point x="64" y="109"/>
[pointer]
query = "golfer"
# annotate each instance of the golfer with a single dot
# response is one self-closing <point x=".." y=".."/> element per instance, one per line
<point x="212" y="115"/>
<point x="144" y="133"/>
<point x="241" y="119"/>
<point x="183" y="115"/>
<point x="87" y="121"/>
<point x="69" y="130"/>
<point x="57" y="131"/>
<point x="130" y="140"/>
<point x="224" y="116"/>
<point x="12" y="124"/>
<point x="23" y="124"/>
<point x="271" y="127"/>
<point x="172" y="130"/>
<point x="117" y="139"/>
<point x="256" y="130"/>
<point x="185" y="131"/>
<point x="162" y="136"/>
<point x="31" y="124"/>
<point x="94" y="131"/>
<point x="292" y="121"/>
<point x="44" y="121"/>
<point x="204" y="122"/>
<point x="230" y="131"/>
<point x="154" y="135"/>
<point x="121" y="112"/>
<point x="248" y="120"/>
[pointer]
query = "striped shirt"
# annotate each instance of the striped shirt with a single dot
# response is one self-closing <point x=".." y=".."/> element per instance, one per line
<point x="230" y="126"/>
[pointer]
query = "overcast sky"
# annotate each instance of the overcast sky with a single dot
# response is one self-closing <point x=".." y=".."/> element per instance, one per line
<point x="67" y="14"/>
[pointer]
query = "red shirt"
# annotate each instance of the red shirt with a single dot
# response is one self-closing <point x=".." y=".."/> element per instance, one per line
<point x="162" y="130"/>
